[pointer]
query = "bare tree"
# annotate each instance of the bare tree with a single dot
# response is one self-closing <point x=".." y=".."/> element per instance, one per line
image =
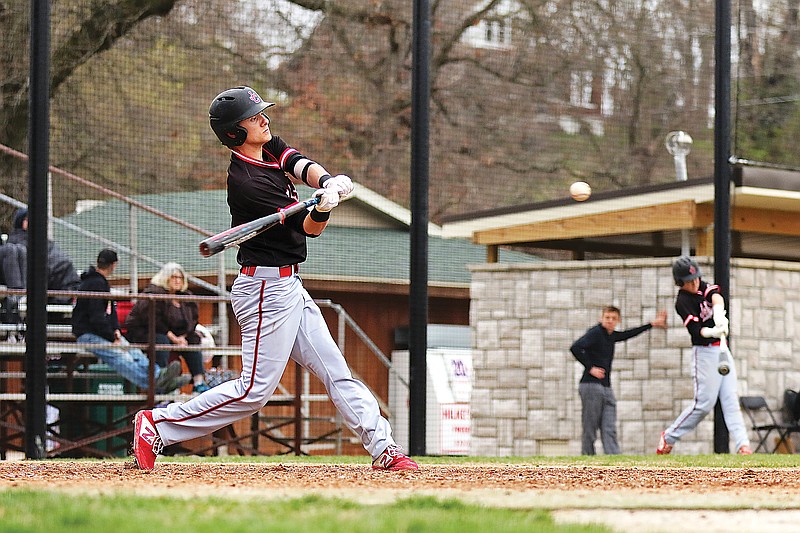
<point x="527" y="95"/>
<point x="79" y="33"/>
<point x="523" y="92"/>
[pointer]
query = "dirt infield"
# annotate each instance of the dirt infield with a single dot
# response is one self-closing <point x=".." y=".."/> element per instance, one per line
<point x="223" y="476"/>
<point x="624" y="497"/>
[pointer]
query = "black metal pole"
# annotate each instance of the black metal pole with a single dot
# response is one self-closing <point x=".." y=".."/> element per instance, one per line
<point x="38" y="164"/>
<point x="418" y="291"/>
<point x="722" y="180"/>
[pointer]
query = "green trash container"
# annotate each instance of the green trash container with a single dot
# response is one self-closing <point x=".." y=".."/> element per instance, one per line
<point x="107" y="381"/>
<point x="78" y="420"/>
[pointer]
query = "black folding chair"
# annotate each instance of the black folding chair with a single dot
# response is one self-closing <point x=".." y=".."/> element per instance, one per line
<point x="764" y="423"/>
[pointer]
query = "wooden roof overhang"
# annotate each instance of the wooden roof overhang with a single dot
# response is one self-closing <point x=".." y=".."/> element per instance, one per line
<point x="648" y="221"/>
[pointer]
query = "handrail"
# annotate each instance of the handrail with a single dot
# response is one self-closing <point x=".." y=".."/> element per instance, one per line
<point x="337" y="308"/>
<point x="55" y="170"/>
<point x="121" y="247"/>
<point x="343" y="315"/>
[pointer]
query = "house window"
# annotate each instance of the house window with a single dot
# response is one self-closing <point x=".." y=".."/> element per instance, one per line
<point x="496" y="33"/>
<point x="495" y="28"/>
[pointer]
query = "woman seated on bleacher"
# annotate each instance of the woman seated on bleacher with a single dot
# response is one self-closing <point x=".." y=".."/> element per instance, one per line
<point x="176" y="321"/>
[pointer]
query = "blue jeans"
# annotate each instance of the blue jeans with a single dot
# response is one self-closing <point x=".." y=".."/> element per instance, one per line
<point x="131" y="363"/>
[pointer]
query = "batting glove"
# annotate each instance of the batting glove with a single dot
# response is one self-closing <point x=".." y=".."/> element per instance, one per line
<point x="720" y="320"/>
<point x="328" y="199"/>
<point x="713" y="333"/>
<point x="341" y="183"/>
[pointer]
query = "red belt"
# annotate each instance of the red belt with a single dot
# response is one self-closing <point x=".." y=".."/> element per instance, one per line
<point x="717" y="343"/>
<point x="281" y="272"/>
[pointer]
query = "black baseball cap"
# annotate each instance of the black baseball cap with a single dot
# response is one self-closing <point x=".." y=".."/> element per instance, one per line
<point x="106" y="257"/>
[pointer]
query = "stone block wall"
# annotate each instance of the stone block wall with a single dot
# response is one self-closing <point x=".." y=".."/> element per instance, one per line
<point x="524" y="318"/>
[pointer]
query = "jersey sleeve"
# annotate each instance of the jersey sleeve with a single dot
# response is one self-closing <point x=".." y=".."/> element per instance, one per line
<point x="709" y="290"/>
<point x="689" y="316"/>
<point x="618" y="336"/>
<point x="285" y="155"/>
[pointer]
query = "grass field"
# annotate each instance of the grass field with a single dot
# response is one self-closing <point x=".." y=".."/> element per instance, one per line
<point x="460" y="495"/>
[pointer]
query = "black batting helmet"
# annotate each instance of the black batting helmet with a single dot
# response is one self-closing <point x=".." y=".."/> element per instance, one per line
<point x="231" y="107"/>
<point x="685" y="269"/>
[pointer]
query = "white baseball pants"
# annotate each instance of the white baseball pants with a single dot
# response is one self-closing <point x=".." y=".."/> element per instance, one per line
<point x="278" y="320"/>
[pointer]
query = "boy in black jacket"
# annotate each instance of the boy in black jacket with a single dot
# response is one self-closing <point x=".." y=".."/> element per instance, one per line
<point x="94" y="321"/>
<point x="595" y="351"/>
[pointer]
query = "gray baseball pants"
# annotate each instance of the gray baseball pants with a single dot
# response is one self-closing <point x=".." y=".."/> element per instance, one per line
<point x="278" y="320"/>
<point x="709" y="385"/>
<point x="599" y="412"/>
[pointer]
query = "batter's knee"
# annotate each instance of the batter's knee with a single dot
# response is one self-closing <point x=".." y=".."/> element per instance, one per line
<point x="255" y="399"/>
<point x="705" y="409"/>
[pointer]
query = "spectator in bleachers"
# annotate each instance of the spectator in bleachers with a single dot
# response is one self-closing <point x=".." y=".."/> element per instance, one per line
<point x="175" y="321"/>
<point x="61" y="274"/>
<point x="12" y="266"/>
<point x="94" y="321"/>
<point x="12" y="275"/>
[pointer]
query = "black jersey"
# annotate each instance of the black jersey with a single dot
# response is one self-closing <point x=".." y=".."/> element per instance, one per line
<point x="259" y="188"/>
<point x="596" y="348"/>
<point x="696" y="311"/>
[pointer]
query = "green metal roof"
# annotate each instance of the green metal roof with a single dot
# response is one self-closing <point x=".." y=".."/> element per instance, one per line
<point x="347" y="253"/>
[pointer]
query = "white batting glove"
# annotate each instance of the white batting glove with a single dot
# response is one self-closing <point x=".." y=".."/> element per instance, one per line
<point x="713" y="333"/>
<point x="328" y="199"/>
<point x="342" y="183"/>
<point x="720" y="320"/>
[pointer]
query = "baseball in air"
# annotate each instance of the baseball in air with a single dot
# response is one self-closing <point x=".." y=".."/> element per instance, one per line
<point x="580" y="191"/>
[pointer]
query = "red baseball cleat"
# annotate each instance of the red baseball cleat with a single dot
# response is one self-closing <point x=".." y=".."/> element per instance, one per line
<point x="393" y="458"/>
<point x="663" y="446"/>
<point x="744" y="449"/>
<point x="146" y="442"/>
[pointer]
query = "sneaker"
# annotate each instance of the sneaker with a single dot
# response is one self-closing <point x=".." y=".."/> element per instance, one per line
<point x="167" y="377"/>
<point x="393" y="458"/>
<point x="744" y="449"/>
<point x="146" y="442"/>
<point x="200" y="387"/>
<point x="663" y="446"/>
<point x="175" y="384"/>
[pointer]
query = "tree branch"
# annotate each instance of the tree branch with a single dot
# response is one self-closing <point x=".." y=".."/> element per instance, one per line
<point x="107" y="22"/>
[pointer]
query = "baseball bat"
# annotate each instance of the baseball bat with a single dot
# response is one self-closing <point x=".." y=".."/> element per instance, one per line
<point x="238" y="234"/>
<point x="724" y="367"/>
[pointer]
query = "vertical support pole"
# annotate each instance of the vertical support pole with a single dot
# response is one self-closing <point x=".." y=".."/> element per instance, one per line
<point x="133" y="237"/>
<point x="38" y="166"/>
<point x="151" y="354"/>
<point x="222" y="307"/>
<point x="491" y="253"/>
<point x="298" y="409"/>
<point x="722" y="180"/>
<point x="418" y="291"/>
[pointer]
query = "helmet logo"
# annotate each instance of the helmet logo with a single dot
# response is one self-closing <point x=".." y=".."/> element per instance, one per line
<point x="254" y="97"/>
<point x="692" y="270"/>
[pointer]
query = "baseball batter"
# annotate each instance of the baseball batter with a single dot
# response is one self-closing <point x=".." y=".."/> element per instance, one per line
<point x="702" y="309"/>
<point x="278" y="318"/>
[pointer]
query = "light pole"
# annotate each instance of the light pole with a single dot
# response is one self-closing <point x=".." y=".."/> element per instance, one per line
<point x="679" y="144"/>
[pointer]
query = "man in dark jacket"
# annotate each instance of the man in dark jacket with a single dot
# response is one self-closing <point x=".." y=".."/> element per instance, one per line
<point x="595" y="351"/>
<point x="61" y="274"/>
<point x="94" y="321"/>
